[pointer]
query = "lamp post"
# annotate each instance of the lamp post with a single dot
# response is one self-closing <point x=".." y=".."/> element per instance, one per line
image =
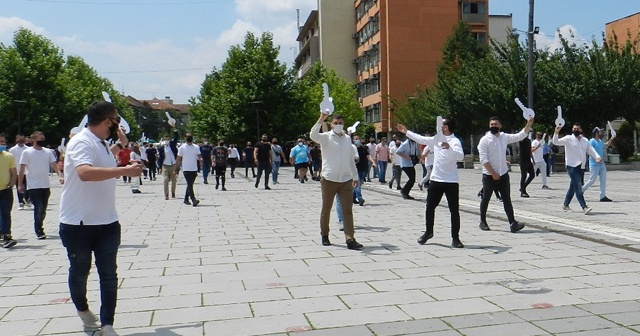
<point x="255" y="107"/>
<point x="530" y="32"/>
<point x="19" y="117"/>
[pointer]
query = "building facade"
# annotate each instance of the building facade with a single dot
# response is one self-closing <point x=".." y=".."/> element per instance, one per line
<point x="624" y="27"/>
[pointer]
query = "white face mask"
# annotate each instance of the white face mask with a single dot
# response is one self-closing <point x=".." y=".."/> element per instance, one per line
<point x="337" y="129"/>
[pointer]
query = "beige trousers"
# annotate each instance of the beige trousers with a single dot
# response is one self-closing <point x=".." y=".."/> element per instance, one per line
<point x="329" y="191"/>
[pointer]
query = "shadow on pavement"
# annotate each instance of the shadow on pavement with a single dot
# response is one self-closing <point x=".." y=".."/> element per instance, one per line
<point x="167" y="331"/>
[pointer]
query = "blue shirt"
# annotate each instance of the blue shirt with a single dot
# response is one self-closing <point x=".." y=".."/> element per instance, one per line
<point x="598" y="146"/>
<point x="300" y="154"/>
<point x="545" y="149"/>
<point x="406" y="148"/>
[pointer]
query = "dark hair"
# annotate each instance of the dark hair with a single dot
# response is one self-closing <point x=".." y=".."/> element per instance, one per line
<point x="450" y="123"/>
<point x="2" y="136"/>
<point x="336" y="116"/>
<point x="577" y="124"/>
<point x="99" y="111"/>
<point x="495" y="118"/>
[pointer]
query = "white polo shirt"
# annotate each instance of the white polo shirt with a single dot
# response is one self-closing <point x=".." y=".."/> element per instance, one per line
<point x="17" y="151"/>
<point x="92" y="203"/>
<point x="493" y="149"/>
<point x="338" y="164"/>
<point x="38" y="162"/>
<point x="537" y="154"/>
<point x="575" y="149"/>
<point x="189" y="153"/>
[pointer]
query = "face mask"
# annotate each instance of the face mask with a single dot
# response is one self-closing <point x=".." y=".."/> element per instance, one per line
<point x="265" y="140"/>
<point x="576" y="133"/>
<point x="189" y="139"/>
<point x="222" y="144"/>
<point x="3" y="148"/>
<point x="337" y="129"/>
<point x="300" y="143"/>
<point x="372" y="141"/>
<point x="206" y="142"/>
<point x="357" y="143"/>
<point x="41" y="143"/>
<point x="494" y="130"/>
<point x="113" y="129"/>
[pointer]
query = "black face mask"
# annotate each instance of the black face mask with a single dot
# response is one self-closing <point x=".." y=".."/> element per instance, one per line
<point x="189" y="139"/>
<point x="41" y="143"/>
<point x="494" y="130"/>
<point x="265" y="140"/>
<point x="222" y="144"/>
<point x="275" y="142"/>
<point x="113" y="129"/>
<point x="576" y="133"/>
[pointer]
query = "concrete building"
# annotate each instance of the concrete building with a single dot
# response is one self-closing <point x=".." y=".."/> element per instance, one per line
<point x="501" y="28"/>
<point x="327" y="36"/>
<point x="623" y="27"/>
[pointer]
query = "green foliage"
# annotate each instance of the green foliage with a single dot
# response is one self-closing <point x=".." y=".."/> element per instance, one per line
<point x="624" y="140"/>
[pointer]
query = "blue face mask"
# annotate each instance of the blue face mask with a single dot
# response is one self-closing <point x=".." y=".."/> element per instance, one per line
<point x="357" y="142"/>
<point x="3" y="148"/>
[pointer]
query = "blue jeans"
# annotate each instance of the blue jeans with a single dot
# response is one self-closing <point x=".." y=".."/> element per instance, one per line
<point x="575" y="174"/>
<point x="275" y="167"/>
<point x="206" y="168"/>
<point x="339" y="210"/>
<point x="103" y="241"/>
<point x="40" y="201"/>
<point x="382" y="171"/>
<point x="6" y="203"/>
<point x="594" y="172"/>
<point x="357" y="191"/>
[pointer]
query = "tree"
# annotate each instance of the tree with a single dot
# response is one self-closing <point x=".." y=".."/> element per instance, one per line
<point x="251" y="93"/>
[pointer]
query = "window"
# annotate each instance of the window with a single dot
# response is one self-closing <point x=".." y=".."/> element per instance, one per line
<point x="372" y="113"/>
<point x="369" y="29"/>
<point x="473" y="8"/>
<point x="480" y="36"/>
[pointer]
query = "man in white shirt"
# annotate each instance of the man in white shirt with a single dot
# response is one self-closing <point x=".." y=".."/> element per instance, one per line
<point x="234" y="156"/>
<point x="36" y="162"/>
<point x="538" y="158"/>
<point x="16" y="151"/>
<point x="576" y="148"/>
<point x="396" y="168"/>
<point x="338" y="176"/>
<point x="167" y="160"/>
<point x="371" y="146"/>
<point x="88" y="215"/>
<point x="444" y="178"/>
<point x="495" y="172"/>
<point x="188" y="157"/>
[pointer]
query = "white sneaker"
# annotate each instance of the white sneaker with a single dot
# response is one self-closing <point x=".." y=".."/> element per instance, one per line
<point x="586" y="209"/>
<point x="29" y="205"/>
<point x="21" y="206"/>
<point x="89" y="320"/>
<point x="566" y="208"/>
<point x="107" y="330"/>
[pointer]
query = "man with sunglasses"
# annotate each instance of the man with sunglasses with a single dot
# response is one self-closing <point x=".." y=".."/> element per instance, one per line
<point x="88" y="215"/>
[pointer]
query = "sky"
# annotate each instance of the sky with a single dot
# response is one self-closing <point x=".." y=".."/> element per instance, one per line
<point x="156" y="48"/>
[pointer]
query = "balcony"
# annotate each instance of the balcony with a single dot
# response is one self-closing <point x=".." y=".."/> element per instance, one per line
<point x="474" y="18"/>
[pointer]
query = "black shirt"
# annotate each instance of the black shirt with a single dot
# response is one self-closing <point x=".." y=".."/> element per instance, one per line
<point x="525" y="152"/>
<point x="205" y="151"/>
<point x="248" y="153"/>
<point x="316" y="154"/>
<point x="152" y="154"/>
<point x="263" y="152"/>
<point x="363" y="163"/>
<point x="220" y="155"/>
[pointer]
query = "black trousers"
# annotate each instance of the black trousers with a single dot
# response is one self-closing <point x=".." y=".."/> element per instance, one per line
<point x="248" y="162"/>
<point x="526" y="176"/>
<point x="434" y="195"/>
<point x="232" y="164"/>
<point x="411" y="174"/>
<point x="190" y="176"/>
<point x="502" y="185"/>
<point x="263" y="166"/>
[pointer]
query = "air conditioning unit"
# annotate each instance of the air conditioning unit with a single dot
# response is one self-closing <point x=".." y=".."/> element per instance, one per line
<point x="376" y="76"/>
<point x="360" y="99"/>
<point x="355" y="61"/>
<point x="354" y="36"/>
<point x="372" y="18"/>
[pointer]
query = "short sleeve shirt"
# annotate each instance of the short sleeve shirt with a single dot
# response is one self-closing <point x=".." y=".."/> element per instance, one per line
<point x="220" y="155"/>
<point x="6" y="163"/>
<point x="263" y="151"/>
<point x="39" y="162"/>
<point x="189" y="154"/>
<point x="87" y="202"/>
<point x="299" y="154"/>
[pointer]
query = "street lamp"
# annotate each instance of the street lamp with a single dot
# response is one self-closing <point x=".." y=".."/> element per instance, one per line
<point x="255" y="107"/>
<point x="19" y="122"/>
<point x="530" y="32"/>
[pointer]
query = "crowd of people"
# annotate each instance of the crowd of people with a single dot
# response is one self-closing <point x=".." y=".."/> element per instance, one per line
<point x="89" y="168"/>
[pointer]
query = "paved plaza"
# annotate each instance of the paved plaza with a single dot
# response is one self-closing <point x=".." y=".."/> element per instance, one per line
<point x="250" y="262"/>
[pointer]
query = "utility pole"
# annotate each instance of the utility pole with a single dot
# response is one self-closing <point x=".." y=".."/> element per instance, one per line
<point x="530" y="42"/>
<point x="255" y="107"/>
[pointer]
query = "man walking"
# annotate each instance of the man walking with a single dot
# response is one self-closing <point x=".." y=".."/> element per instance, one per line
<point x="364" y="161"/>
<point x="234" y="156"/>
<point x="220" y="157"/>
<point x="539" y="160"/>
<point x="8" y="178"/>
<point x="598" y="169"/>
<point x="277" y="157"/>
<point x="299" y="158"/>
<point x="16" y="151"/>
<point x="443" y="180"/>
<point x="527" y="173"/>
<point x="188" y="158"/>
<point x="206" y="150"/>
<point x="88" y="215"/>
<point x="168" y="156"/>
<point x="249" y="160"/>
<point x="371" y="146"/>
<point x="495" y="172"/>
<point x="576" y="148"/>
<point x="36" y="162"/>
<point x="262" y="157"/>
<point x="406" y="151"/>
<point x="338" y="176"/>
<point x="382" y="155"/>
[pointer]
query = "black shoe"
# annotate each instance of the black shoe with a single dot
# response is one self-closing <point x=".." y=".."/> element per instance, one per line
<point x="8" y="242"/>
<point x="457" y="243"/>
<point x="196" y="202"/>
<point x="515" y="227"/>
<point x="420" y="186"/>
<point x="267" y="188"/>
<point x="352" y="244"/>
<point x="224" y="189"/>
<point x="205" y="182"/>
<point x="187" y="202"/>
<point x="499" y="199"/>
<point x="256" y="184"/>
<point x="407" y="197"/>
<point x="217" y="185"/>
<point x="484" y="226"/>
<point x="524" y="194"/>
<point x="325" y="241"/>
<point x="301" y="181"/>
<point x="355" y="201"/>
<point x="361" y="202"/>
<point x="423" y="239"/>
<point x="398" y="188"/>
<point x="41" y="235"/>
<point x="390" y="185"/>
<point x="605" y="199"/>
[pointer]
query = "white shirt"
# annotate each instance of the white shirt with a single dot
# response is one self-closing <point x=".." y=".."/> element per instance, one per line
<point x="372" y="150"/>
<point x="493" y="149"/>
<point x="17" y="151"/>
<point x="537" y="154"/>
<point x="189" y="154"/>
<point x="396" y="158"/>
<point x="39" y="163"/>
<point x="427" y="152"/>
<point x="338" y="164"/>
<point x="233" y="153"/>
<point x="135" y="157"/>
<point x="169" y="159"/>
<point x="92" y="203"/>
<point x="445" y="161"/>
<point x="143" y="153"/>
<point x="575" y="149"/>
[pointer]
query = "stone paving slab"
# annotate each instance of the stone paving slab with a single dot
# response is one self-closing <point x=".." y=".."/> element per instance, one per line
<point x="249" y="262"/>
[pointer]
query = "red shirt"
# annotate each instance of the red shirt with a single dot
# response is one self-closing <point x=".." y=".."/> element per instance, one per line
<point x="124" y="156"/>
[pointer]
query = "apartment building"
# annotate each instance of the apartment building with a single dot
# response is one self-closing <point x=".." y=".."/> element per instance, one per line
<point x="623" y="27"/>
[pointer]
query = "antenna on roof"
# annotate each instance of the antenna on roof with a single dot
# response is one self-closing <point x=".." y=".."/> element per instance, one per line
<point x="298" y="18"/>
